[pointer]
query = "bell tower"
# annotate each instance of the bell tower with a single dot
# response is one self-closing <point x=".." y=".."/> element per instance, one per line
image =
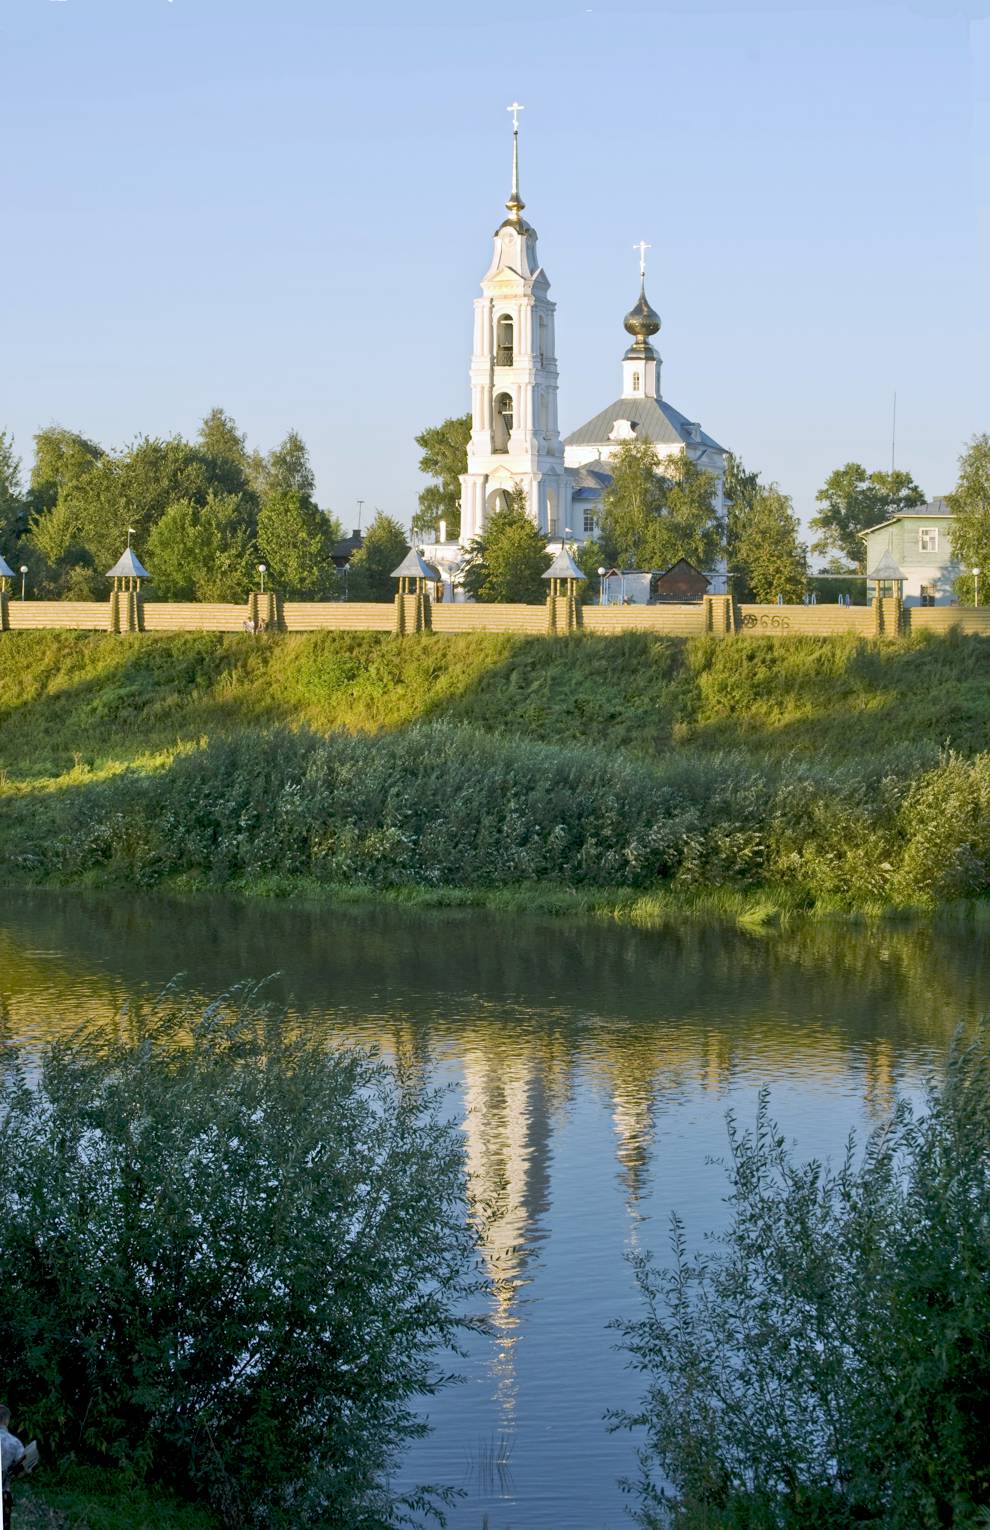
<point x="515" y="441"/>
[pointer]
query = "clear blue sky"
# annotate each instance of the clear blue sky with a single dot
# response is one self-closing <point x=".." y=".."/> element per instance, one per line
<point x="285" y="207"/>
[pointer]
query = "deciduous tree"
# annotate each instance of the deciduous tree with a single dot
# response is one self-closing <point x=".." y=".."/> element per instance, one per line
<point x="508" y="561"/>
<point x="369" y="575"/>
<point x="766" y="555"/>
<point x="852" y="501"/>
<point x="296" y="541"/>
<point x="12" y="507"/>
<point x="444" y="459"/>
<point x="970" y="504"/>
<point x="234" y="1259"/>
<point x="202" y="552"/>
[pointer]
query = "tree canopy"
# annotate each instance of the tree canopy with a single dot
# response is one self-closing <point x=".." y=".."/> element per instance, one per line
<point x="852" y="500"/>
<point x="235" y="1259"/>
<point x="369" y="575"/>
<point x="196" y="509"/>
<point x="507" y="562"/>
<point x="765" y="554"/>
<point x="444" y="459"/>
<point x="654" y="512"/>
<point x="970" y="504"/>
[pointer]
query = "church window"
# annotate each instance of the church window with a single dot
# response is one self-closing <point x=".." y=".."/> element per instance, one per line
<point x="504" y="344"/>
<point x="543" y="338"/>
<point x="635" y="382"/>
<point x="503" y="421"/>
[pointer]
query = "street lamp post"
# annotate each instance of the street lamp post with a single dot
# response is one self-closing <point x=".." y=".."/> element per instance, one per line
<point x="976" y="586"/>
<point x="24" y="575"/>
<point x="262" y="570"/>
<point x="601" y="586"/>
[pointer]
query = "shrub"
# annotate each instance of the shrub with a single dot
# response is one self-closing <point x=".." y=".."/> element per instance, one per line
<point x="231" y="1259"/>
<point x="828" y="1364"/>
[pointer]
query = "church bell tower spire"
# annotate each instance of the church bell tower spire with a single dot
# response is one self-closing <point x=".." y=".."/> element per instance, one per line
<point x="515" y="442"/>
<point x="641" y="364"/>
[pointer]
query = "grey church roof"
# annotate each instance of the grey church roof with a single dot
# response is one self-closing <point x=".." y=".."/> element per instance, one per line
<point x="6" y="572"/>
<point x="128" y="566"/>
<point x="655" y="419"/>
<point x="588" y="482"/>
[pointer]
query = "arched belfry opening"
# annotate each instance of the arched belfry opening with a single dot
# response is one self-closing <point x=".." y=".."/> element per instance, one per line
<point x="502" y="423"/>
<point x="504" y="342"/>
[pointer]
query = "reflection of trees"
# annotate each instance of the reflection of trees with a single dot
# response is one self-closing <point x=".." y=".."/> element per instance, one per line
<point x="517" y="1004"/>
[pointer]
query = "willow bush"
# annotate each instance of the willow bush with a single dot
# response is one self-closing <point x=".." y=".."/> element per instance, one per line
<point x="825" y="1363"/>
<point x="442" y="806"/>
<point x="232" y="1260"/>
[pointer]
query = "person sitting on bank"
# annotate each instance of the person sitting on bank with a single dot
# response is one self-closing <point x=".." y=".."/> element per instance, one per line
<point x="11" y="1456"/>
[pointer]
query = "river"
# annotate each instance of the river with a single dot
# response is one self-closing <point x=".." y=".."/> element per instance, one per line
<point x="591" y="1067"/>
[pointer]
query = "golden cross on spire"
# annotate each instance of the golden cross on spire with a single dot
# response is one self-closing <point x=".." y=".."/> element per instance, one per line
<point x="642" y="247"/>
<point x="515" y="109"/>
<point x="515" y="204"/>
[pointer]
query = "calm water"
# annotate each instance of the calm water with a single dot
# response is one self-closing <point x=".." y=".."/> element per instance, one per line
<point x="591" y="1069"/>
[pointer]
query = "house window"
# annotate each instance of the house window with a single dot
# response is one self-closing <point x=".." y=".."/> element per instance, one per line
<point x="504" y="342"/>
<point x="589" y="523"/>
<point x="928" y="539"/>
<point x="927" y="594"/>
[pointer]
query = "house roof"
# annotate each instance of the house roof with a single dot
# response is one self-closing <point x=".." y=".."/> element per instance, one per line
<point x="885" y="569"/>
<point x="684" y="563"/>
<point x="937" y="506"/>
<point x="589" y="480"/>
<point x="128" y="566"/>
<point x="413" y="566"/>
<point x="348" y="545"/>
<point x="6" y="572"/>
<point x="653" y="418"/>
<point x="564" y="567"/>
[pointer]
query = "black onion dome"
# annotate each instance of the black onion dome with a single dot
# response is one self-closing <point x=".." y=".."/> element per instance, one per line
<point x="642" y="321"/>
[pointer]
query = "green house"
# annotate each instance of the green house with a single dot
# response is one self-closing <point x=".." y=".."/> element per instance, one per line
<point x="920" y="542"/>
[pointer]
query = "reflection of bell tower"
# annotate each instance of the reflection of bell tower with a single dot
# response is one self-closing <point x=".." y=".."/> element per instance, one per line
<point x="515" y="442"/>
<point x="507" y="1153"/>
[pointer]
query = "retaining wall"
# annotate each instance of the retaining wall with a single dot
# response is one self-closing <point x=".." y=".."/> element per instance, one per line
<point x="813" y="621"/>
<point x="408" y="613"/>
<point x="678" y="621"/>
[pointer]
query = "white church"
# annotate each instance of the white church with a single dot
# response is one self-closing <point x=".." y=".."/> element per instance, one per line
<point x="515" y="436"/>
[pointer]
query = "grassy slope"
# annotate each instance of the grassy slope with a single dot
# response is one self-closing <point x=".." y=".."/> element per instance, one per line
<point x="76" y="709"/>
<point x="74" y="699"/>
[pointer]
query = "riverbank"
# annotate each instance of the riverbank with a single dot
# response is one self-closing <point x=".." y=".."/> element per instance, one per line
<point x="632" y="778"/>
<point x="78" y="1498"/>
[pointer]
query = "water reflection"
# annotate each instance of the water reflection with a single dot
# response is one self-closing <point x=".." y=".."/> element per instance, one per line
<point x="591" y="1068"/>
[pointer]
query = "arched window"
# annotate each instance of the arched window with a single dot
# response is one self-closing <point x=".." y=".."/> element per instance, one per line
<point x="503" y="422"/>
<point x="504" y="347"/>
<point x="635" y="382"/>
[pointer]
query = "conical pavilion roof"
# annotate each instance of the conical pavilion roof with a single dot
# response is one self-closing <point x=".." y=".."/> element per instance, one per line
<point x="6" y="572"/>
<point x="564" y="567"/>
<point x="128" y="566"/>
<point x="414" y="566"/>
<point x="886" y="570"/>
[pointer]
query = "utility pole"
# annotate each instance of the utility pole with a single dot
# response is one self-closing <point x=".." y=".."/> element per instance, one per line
<point x="893" y="434"/>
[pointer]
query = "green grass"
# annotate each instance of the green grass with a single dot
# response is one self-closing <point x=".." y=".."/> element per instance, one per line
<point x="78" y="698"/>
<point x="805" y="770"/>
<point x="85" y="1499"/>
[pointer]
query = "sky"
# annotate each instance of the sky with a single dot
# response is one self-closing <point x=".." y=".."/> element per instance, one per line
<point x="285" y="208"/>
